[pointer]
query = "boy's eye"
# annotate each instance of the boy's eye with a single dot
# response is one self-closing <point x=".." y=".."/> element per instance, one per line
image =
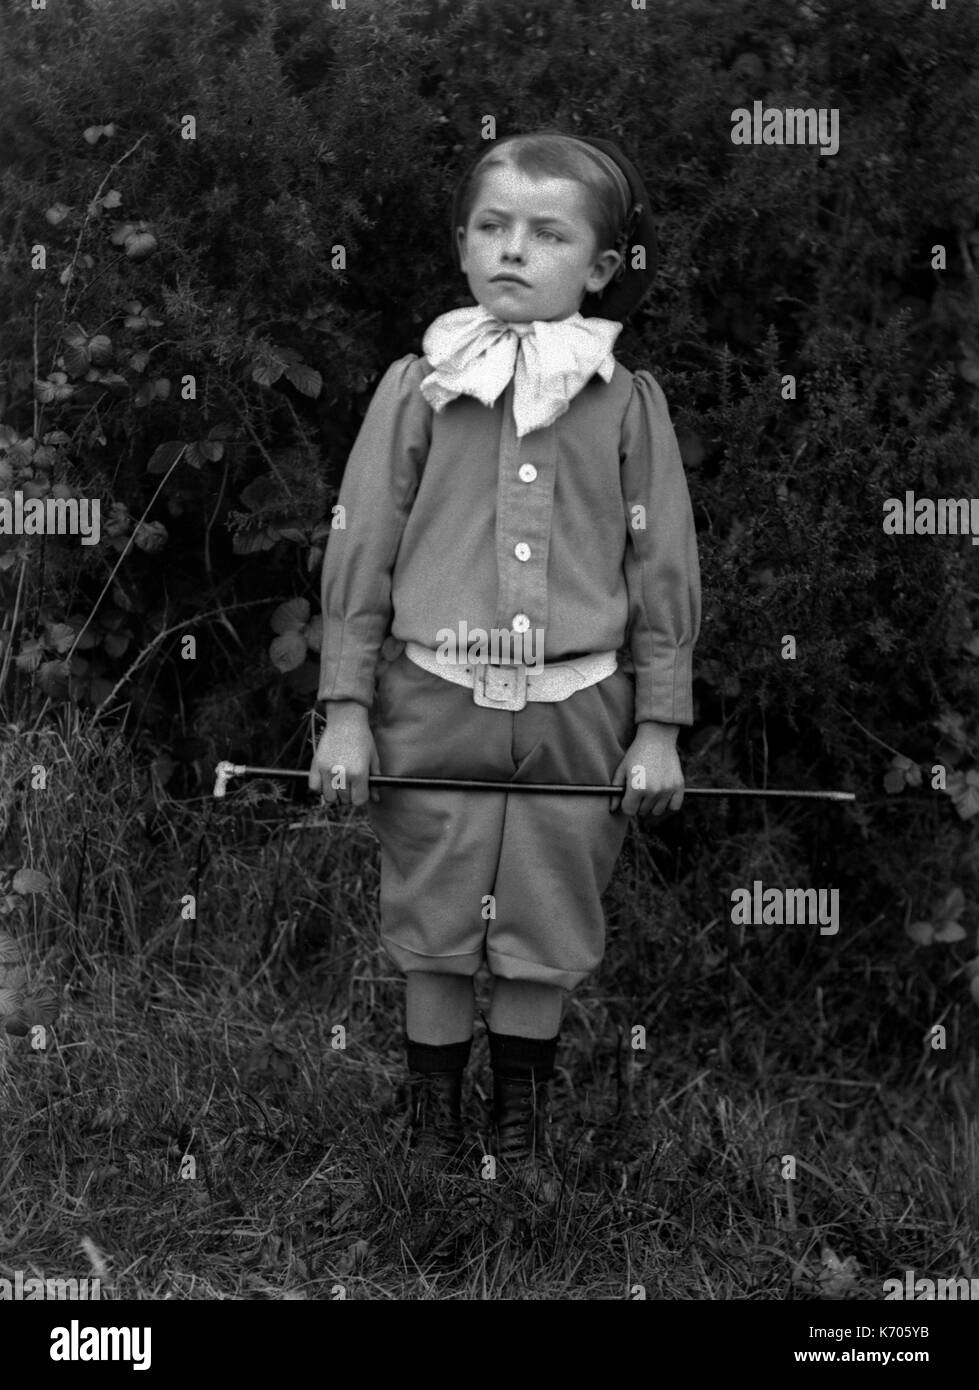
<point x="544" y="231"/>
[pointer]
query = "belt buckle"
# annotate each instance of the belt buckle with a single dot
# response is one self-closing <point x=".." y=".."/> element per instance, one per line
<point x="500" y="687"/>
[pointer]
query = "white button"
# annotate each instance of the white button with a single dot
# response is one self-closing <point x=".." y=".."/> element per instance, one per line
<point x="521" y="623"/>
<point x="527" y="473"/>
<point x="522" y="551"/>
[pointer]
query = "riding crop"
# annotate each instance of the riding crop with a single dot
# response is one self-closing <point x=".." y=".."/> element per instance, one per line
<point x="226" y="770"/>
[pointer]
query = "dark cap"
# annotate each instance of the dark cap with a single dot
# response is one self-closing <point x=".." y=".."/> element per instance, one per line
<point x="628" y="286"/>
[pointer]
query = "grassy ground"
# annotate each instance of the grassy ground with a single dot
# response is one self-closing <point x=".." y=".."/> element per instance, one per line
<point x="214" y="1040"/>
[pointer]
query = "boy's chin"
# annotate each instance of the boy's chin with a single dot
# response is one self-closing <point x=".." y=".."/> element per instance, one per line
<point x="507" y="315"/>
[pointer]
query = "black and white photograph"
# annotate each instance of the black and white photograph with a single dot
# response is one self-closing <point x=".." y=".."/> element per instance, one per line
<point x="489" y="672"/>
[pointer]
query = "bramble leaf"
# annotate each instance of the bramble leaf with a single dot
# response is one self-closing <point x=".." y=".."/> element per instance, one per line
<point x="923" y="933"/>
<point x="290" y="616"/>
<point x="28" y="881"/>
<point x="288" y="651"/>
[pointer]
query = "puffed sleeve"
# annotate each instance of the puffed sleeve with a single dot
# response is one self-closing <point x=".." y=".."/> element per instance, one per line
<point x="379" y="485"/>
<point x="662" y="569"/>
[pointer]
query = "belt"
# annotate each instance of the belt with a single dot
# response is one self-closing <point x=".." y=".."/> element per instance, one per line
<point x="509" y="687"/>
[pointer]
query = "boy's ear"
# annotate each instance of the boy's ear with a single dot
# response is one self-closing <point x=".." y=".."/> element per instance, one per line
<point x="461" y="246"/>
<point x="603" y="270"/>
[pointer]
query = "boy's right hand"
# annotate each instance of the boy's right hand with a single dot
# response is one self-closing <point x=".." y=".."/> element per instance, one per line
<point x="348" y="744"/>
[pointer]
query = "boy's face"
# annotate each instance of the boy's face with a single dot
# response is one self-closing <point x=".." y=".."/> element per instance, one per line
<point x="536" y="230"/>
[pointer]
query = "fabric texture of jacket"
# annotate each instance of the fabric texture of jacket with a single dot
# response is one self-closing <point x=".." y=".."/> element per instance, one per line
<point x="581" y="531"/>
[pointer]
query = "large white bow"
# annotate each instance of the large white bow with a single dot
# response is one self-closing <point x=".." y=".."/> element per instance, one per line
<point x="474" y="353"/>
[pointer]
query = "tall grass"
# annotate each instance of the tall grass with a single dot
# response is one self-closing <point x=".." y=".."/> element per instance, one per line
<point x="192" y="1129"/>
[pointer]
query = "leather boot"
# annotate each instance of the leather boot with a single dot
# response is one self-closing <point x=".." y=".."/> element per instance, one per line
<point x="521" y="1116"/>
<point x="437" y="1139"/>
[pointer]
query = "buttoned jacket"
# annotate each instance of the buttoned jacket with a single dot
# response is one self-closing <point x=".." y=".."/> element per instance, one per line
<point x="582" y="531"/>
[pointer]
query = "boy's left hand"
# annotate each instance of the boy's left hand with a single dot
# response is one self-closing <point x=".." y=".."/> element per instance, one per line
<point x="654" y="750"/>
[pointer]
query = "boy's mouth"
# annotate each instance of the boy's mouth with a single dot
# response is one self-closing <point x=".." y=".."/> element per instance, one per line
<point x="509" y="280"/>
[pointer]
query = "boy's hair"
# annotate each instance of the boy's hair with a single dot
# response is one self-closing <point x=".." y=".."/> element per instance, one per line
<point x="552" y="154"/>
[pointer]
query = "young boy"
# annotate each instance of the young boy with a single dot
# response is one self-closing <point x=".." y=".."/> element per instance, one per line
<point x="514" y="492"/>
